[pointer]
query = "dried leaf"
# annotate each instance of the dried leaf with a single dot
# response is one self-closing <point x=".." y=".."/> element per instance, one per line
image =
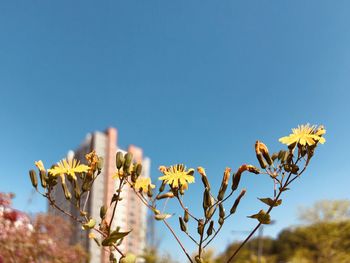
<point x="114" y="237"/>
<point x="262" y="217"/>
<point x="270" y="202"/>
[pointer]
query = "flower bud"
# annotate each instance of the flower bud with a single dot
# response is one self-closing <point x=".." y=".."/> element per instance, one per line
<point x="261" y="161"/>
<point x="234" y="207"/>
<point x="261" y="148"/>
<point x="205" y="181"/>
<point x="67" y="194"/>
<point x="76" y="190"/>
<point x="253" y="169"/>
<point x="103" y="212"/>
<point x="119" y="160"/>
<point x="166" y="195"/>
<point x="224" y="183"/>
<point x="241" y="169"/>
<point x="128" y="161"/>
<point x="43" y="178"/>
<point x="206" y="199"/>
<point x="162" y="186"/>
<point x="295" y="169"/>
<point x="221" y="210"/>
<point x="182" y="224"/>
<point x="33" y="178"/>
<point x="210" y="228"/>
<point x="302" y="151"/>
<point x="236" y="177"/>
<point x="209" y="212"/>
<point x="133" y="178"/>
<point x="289" y="158"/>
<point x="221" y="221"/>
<point x="200" y="227"/>
<point x="149" y="191"/>
<point x="138" y="169"/>
<point x="186" y="215"/>
<point x="274" y="156"/>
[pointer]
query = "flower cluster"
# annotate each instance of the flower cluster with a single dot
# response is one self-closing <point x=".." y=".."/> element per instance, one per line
<point x="281" y="167"/>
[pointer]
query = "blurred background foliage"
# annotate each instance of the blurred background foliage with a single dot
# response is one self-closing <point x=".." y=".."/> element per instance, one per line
<point x="40" y="238"/>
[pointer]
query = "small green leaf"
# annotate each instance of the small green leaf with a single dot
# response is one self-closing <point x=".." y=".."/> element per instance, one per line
<point x="162" y="216"/>
<point x="114" y="237"/>
<point x="89" y="225"/>
<point x="262" y="217"/>
<point x="129" y="258"/>
<point x="270" y="202"/>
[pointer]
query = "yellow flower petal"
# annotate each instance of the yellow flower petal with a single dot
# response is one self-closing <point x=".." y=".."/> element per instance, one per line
<point x="177" y="175"/>
<point x="305" y="135"/>
<point x="69" y="167"/>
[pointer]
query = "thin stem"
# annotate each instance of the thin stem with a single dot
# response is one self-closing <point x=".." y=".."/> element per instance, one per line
<point x="52" y="202"/>
<point x="164" y="221"/>
<point x="195" y="241"/>
<point x="212" y="237"/>
<point x="87" y="197"/>
<point x="115" y="204"/>
<point x="186" y="209"/>
<point x="178" y="240"/>
<point x="268" y="212"/>
<point x="200" y="243"/>
<point x="243" y="243"/>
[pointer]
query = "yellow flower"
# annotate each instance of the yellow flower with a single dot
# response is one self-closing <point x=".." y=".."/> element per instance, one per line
<point x="40" y="165"/>
<point x="92" y="235"/>
<point x="69" y="167"/>
<point x="143" y="183"/>
<point x="305" y="135"/>
<point x="177" y="175"/>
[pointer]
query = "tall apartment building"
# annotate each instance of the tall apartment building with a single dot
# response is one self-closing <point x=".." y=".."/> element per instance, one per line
<point x="130" y="213"/>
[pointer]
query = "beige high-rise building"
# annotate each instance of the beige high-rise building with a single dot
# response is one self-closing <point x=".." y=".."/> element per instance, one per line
<point x="130" y="213"/>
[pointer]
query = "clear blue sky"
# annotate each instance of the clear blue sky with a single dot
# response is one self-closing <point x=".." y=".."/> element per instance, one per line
<point x="189" y="81"/>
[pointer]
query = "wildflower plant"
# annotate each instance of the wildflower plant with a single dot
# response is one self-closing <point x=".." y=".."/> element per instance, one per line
<point x="281" y="167"/>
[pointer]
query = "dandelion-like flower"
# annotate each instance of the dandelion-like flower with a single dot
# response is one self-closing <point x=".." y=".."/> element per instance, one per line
<point x="305" y="135"/>
<point x="143" y="183"/>
<point x="68" y="167"/>
<point x="177" y="175"/>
